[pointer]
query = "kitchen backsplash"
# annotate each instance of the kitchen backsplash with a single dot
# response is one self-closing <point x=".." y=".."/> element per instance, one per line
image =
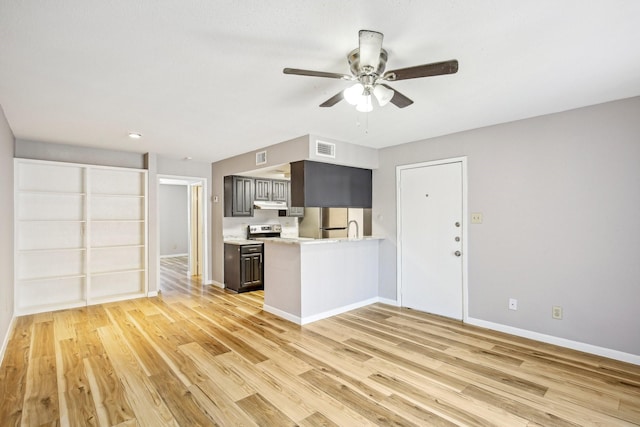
<point x="236" y="227"/>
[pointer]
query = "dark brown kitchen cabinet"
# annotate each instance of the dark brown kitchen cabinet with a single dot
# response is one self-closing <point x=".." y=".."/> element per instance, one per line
<point x="238" y="196"/>
<point x="263" y="189"/>
<point x="318" y="184"/>
<point x="280" y="190"/>
<point x="271" y="190"/>
<point x="243" y="267"/>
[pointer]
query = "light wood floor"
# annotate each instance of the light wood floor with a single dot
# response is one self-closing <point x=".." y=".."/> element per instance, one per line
<point x="200" y="356"/>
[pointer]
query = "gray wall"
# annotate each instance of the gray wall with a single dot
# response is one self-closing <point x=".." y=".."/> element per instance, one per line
<point x="561" y="200"/>
<point x="174" y="224"/>
<point x="6" y="229"/>
<point x="40" y="150"/>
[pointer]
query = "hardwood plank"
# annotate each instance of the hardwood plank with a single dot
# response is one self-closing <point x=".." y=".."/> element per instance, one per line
<point x="80" y="410"/>
<point x="222" y="410"/>
<point x="230" y="382"/>
<point x="353" y="399"/>
<point x="263" y="412"/>
<point x="13" y="372"/>
<point x="41" y="393"/>
<point x="145" y="401"/>
<point x="317" y="420"/>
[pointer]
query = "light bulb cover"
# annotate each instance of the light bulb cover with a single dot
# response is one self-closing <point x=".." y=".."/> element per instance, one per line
<point x="353" y="94"/>
<point x="365" y="105"/>
<point x="383" y="94"/>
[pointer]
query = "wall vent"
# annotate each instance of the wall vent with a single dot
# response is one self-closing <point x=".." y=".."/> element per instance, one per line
<point x="261" y="157"/>
<point x="325" y="149"/>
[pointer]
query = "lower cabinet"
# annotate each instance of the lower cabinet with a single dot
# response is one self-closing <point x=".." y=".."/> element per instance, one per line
<point x="243" y="267"/>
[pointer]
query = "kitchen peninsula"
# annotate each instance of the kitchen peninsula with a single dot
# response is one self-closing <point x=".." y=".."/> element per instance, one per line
<point x="311" y="279"/>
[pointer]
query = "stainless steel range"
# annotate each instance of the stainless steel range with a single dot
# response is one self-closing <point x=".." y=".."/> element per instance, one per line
<point x="263" y="230"/>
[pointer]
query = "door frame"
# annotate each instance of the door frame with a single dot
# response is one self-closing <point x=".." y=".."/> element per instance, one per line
<point x="188" y="181"/>
<point x="465" y="227"/>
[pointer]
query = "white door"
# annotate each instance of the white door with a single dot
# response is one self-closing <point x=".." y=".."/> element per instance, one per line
<point x="430" y="226"/>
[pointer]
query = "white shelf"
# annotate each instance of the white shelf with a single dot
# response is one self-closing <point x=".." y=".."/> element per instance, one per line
<point x="112" y="272"/>
<point x="80" y="234"/>
<point x="37" y="251"/>
<point x="49" y="278"/>
<point x="107" y="195"/>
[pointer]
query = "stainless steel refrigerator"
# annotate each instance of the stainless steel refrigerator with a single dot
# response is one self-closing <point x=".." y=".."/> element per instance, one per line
<point x="322" y="223"/>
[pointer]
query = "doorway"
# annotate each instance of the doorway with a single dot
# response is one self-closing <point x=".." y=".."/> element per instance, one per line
<point x="432" y="228"/>
<point x="193" y="218"/>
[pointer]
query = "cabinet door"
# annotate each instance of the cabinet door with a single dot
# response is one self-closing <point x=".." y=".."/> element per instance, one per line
<point x="280" y="191"/>
<point x="242" y="196"/>
<point x="256" y="269"/>
<point x="263" y="189"/>
<point x="251" y="270"/>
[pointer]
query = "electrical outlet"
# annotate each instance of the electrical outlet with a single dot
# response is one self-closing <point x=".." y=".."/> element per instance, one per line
<point x="476" y="218"/>
<point x="556" y="312"/>
<point x="513" y="304"/>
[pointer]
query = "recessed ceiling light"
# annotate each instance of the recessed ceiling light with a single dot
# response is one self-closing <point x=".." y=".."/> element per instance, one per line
<point x="188" y="158"/>
<point x="135" y="135"/>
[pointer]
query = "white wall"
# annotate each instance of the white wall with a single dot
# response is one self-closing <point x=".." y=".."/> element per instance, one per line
<point x="560" y="196"/>
<point x="6" y="230"/>
<point x="174" y="221"/>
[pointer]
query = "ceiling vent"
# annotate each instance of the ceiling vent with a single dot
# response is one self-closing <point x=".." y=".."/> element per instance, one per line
<point x="261" y="158"/>
<point x="325" y="149"/>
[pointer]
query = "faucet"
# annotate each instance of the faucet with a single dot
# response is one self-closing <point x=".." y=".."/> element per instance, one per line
<point x="357" y="228"/>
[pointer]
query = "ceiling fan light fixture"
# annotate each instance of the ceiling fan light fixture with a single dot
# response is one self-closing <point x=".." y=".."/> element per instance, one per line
<point x="383" y="94"/>
<point x="365" y="105"/>
<point x="353" y="94"/>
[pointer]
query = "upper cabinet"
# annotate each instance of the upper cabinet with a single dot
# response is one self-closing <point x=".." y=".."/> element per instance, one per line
<point x="279" y="190"/>
<point x="317" y="184"/>
<point x="238" y="196"/>
<point x="271" y="190"/>
<point x="262" y="189"/>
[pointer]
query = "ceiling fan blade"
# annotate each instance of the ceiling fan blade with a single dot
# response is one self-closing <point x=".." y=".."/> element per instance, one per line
<point x="399" y="100"/>
<point x="426" y="70"/>
<point x="333" y="100"/>
<point x="311" y="73"/>
<point x="369" y="48"/>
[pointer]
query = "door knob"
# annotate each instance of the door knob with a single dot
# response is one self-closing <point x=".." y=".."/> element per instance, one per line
<point x="457" y="253"/>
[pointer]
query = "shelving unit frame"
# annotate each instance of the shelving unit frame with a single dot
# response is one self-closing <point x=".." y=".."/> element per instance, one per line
<point x="80" y="235"/>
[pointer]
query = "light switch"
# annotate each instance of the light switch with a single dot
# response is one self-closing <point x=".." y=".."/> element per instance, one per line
<point x="476" y="218"/>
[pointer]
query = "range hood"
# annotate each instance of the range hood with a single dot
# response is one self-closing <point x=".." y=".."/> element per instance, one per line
<point x="260" y="204"/>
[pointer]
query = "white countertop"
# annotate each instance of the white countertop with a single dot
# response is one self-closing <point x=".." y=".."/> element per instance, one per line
<point x="310" y="241"/>
<point x="243" y="242"/>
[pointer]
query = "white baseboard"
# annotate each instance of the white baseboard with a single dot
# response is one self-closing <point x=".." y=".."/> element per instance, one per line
<point x="151" y="294"/>
<point x="550" y="339"/>
<point x="5" y="341"/>
<point x="336" y="311"/>
<point x="173" y="255"/>
<point x="388" y="301"/>
<point x="283" y="314"/>
<point x="314" y="318"/>
<point x="215" y="283"/>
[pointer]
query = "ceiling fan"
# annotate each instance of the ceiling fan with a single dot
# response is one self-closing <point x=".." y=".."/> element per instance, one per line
<point x="367" y="63"/>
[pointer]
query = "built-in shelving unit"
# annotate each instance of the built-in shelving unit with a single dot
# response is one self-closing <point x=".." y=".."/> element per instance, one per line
<point x="80" y="235"/>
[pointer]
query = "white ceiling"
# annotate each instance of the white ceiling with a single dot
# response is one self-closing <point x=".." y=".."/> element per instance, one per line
<point x="204" y="78"/>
